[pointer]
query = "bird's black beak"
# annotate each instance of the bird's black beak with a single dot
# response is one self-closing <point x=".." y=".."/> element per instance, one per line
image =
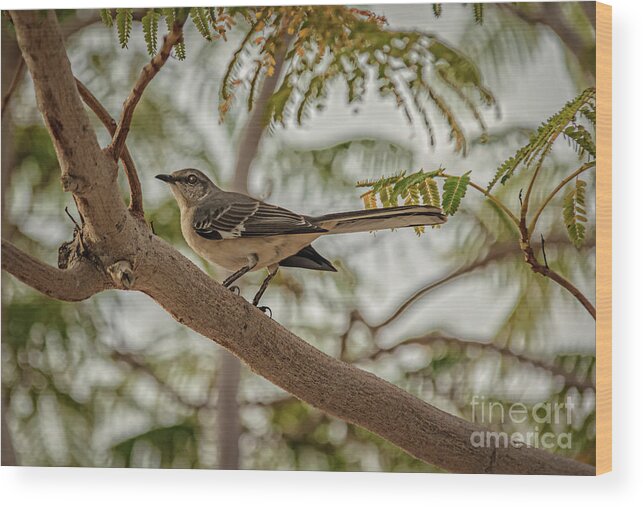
<point x="165" y="177"/>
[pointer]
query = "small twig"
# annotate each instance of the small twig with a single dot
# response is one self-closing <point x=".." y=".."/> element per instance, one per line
<point x="147" y="74"/>
<point x="17" y="77"/>
<point x="542" y="246"/>
<point x="581" y="169"/>
<point x="544" y="270"/>
<point x="136" y="193"/>
<point x="490" y="196"/>
<point x="78" y="234"/>
<point x="72" y="218"/>
<point x="427" y="340"/>
<point x="139" y="365"/>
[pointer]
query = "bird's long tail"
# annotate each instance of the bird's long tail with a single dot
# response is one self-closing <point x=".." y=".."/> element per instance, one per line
<point x="381" y="218"/>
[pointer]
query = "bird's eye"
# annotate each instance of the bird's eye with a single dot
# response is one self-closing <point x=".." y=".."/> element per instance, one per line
<point x="192" y="179"/>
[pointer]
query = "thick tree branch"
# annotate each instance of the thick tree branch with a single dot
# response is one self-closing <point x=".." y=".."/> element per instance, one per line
<point x="77" y="283"/>
<point x="136" y="194"/>
<point x="249" y="143"/>
<point x="118" y="243"/>
<point x="147" y="74"/>
<point x="332" y="386"/>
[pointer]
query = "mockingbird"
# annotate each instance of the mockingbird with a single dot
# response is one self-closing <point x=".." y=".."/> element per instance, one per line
<point x="243" y="234"/>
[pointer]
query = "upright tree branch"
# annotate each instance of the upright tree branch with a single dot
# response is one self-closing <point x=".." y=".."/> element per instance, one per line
<point x="147" y="74"/>
<point x="136" y="193"/>
<point x="249" y="143"/>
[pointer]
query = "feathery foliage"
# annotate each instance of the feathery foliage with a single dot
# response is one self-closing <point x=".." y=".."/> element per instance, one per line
<point x="574" y="212"/>
<point x="477" y="10"/>
<point x="106" y="17"/>
<point x="150" y="30"/>
<point x="124" y="25"/>
<point x="413" y="189"/>
<point x="541" y="142"/>
<point x="325" y="45"/>
<point x="453" y="191"/>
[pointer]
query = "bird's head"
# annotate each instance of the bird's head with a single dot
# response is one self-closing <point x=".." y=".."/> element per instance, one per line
<point x="189" y="186"/>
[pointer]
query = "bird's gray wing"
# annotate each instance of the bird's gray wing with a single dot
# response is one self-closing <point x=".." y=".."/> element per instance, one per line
<point x="248" y="218"/>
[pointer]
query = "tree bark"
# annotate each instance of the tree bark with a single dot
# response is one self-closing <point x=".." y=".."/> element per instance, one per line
<point x="127" y="255"/>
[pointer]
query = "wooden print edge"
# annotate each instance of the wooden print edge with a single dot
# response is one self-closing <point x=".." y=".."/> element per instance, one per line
<point x="604" y="239"/>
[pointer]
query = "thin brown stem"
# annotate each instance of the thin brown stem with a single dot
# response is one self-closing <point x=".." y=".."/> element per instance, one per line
<point x="570" y="379"/>
<point x="136" y="193"/>
<point x="524" y="208"/>
<point x="490" y="196"/>
<point x="525" y="243"/>
<point x="580" y="170"/>
<point x="147" y="74"/>
<point x="537" y="267"/>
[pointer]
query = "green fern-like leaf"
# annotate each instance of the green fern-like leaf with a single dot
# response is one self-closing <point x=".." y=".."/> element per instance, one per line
<point x="430" y="192"/>
<point x="106" y="17"/>
<point x="582" y="138"/>
<point x="199" y="17"/>
<point x="386" y="196"/>
<point x="377" y="184"/>
<point x="179" y="49"/>
<point x="370" y="200"/>
<point x="413" y="180"/>
<point x="589" y="112"/>
<point x="437" y="10"/>
<point x="575" y="214"/>
<point x="412" y="196"/>
<point x="124" y="25"/>
<point x="151" y="30"/>
<point x="478" y="12"/>
<point x="540" y="143"/>
<point x="455" y="187"/>
<point x="170" y="18"/>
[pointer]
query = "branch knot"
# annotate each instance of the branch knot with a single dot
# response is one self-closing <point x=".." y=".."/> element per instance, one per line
<point x="123" y="274"/>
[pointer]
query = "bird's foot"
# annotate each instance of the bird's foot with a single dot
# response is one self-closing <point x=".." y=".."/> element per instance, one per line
<point x="266" y="310"/>
<point x="234" y="289"/>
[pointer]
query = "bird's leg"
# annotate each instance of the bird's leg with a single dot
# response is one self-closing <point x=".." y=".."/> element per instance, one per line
<point x="252" y="262"/>
<point x="272" y="271"/>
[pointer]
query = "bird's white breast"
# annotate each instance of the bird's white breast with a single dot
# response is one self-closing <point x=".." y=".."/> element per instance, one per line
<point x="233" y="254"/>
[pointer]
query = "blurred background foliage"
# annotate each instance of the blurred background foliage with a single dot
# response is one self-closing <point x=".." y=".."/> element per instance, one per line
<point x="450" y="315"/>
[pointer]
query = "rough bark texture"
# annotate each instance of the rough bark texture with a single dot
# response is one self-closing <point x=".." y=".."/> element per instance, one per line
<point x="120" y="251"/>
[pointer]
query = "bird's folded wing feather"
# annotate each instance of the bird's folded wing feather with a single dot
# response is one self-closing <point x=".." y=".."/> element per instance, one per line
<point x="249" y="219"/>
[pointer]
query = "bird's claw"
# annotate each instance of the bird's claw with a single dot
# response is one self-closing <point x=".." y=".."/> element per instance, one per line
<point x="266" y="310"/>
<point x="234" y="289"/>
